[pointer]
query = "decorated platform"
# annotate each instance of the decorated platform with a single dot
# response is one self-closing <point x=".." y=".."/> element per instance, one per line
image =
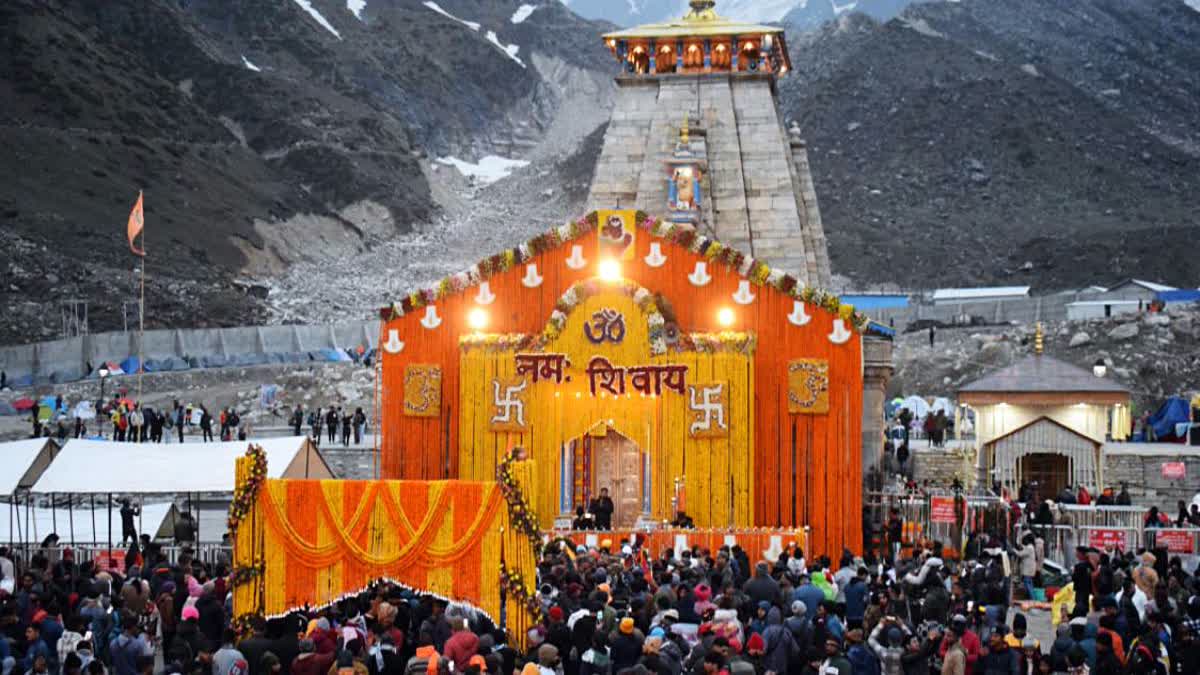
<point x="620" y="351"/>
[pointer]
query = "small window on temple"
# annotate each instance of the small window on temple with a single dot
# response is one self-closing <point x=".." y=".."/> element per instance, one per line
<point x="693" y="56"/>
<point x="721" y="58"/>
<point x="640" y="60"/>
<point x="749" y="58"/>
<point x="665" y="63"/>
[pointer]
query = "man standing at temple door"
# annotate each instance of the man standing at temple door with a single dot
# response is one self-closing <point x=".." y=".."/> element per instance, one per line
<point x="602" y="508"/>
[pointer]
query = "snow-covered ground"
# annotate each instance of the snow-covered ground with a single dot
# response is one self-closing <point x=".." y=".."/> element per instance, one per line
<point x="307" y="6"/>
<point x="487" y="170"/>
<point x="524" y="11"/>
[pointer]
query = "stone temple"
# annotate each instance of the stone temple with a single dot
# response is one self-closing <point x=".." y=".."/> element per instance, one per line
<point x="696" y="102"/>
<point x="696" y="131"/>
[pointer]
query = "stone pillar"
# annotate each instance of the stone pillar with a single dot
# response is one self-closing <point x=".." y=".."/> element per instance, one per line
<point x="877" y="372"/>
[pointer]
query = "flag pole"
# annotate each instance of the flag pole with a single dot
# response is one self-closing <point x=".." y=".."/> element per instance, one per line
<point x="142" y="317"/>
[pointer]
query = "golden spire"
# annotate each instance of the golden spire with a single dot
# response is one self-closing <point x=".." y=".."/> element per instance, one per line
<point x="701" y="10"/>
<point x="1038" y="340"/>
<point x="684" y="139"/>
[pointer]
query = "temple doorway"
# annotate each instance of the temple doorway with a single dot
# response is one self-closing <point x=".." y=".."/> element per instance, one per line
<point x="617" y="465"/>
<point x="1051" y="472"/>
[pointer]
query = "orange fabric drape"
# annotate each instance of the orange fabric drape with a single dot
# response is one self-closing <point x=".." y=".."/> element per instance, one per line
<point x="318" y="541"/>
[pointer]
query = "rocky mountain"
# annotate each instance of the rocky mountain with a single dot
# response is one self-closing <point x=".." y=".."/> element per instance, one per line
<point x="263" y="132"/>
<point x="1029" y="141"/>
<point x="1154" y="355"/>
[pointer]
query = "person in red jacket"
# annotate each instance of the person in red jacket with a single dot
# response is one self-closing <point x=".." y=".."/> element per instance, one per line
<point x="968" y="638"/>
<point x="462" y="645"/>
<point x="1084" y="498"/>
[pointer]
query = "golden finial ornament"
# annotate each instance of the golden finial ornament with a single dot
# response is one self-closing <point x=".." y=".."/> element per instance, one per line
<point x="701" y="10"/>
<point x="1039" y="339"/>
<point x="684" y="138"/>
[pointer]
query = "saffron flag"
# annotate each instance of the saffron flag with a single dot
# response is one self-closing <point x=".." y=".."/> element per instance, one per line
<point x="134" y="227"/>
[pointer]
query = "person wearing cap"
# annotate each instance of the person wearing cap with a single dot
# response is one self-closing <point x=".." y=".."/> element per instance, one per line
<point x="958" y="633"/>
<point x="800" y="625"/>
<point x="954" y="655"/>
<point x="626" y="644"/>
<point x="835" y="661"/>
<point x="1108" y="626"/>
<point x="1076" y="636"/>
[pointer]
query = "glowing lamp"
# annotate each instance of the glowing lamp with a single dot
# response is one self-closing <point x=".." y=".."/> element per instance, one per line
<point x="610" y="270"/>
<point x="477" y="319"/>
<point x="725" y="317"/>
<point x="1099" y="369"/>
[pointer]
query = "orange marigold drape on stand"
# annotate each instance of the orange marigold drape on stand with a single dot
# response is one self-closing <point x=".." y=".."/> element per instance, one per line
<point x="319" y="541"/>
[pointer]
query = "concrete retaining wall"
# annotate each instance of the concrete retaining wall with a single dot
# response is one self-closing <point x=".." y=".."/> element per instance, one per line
<point x="68" y="359"/>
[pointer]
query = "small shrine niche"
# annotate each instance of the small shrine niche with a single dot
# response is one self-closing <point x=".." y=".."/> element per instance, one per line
<point x="685" y="176"/>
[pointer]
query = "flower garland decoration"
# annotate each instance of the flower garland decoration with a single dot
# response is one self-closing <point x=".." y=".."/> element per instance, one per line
<point x="575" y="296"/>
<point x="247" y="574"/>
<point x="245" y="494"/>
<point x="521" y="518"/>
<point x="755" y="271"/>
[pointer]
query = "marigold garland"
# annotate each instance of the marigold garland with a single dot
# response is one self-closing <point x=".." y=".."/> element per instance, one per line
<point x="522" y="520"/>
<point x="245" y="493"/>
<point x="756" y="272"/>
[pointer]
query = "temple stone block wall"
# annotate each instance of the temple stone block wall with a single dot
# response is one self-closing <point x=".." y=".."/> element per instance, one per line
<point x="758" y="189"/>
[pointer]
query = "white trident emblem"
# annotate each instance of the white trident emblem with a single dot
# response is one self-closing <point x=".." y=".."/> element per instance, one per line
<point x="511" y="408"/>
<point x="709" y="405"/>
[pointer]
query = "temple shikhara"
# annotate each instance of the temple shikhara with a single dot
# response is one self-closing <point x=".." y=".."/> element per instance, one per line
<point x="673" y="346"/>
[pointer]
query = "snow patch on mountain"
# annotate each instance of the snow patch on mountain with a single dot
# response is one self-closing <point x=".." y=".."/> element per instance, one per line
<point x="437" y="8"/>
<point x="842" y="9"/>
<point x="250" y="66"/>
<point x="522" y="13"/>
<point x="1194" y="4"/>
<point x="755" y="10"/>
<point x="307" y="6"/>
<point x="488" y="170"/>
<point x="509" y="50"/>
<point x="356" y="8"/>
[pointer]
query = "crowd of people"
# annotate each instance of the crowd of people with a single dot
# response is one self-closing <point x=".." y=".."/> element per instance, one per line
<point x="619" y="610"/>
<point x="126" y="421"/>
<point x="335" y="421"/>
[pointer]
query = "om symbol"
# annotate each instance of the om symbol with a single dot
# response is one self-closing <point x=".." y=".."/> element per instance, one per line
<point x="607" y="325"/>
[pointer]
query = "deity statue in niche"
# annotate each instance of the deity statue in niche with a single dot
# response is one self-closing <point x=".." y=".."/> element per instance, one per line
<point x="685" y="197"/>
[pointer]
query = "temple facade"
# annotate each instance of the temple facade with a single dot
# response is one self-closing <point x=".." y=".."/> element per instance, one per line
<point x="717" y="77"/>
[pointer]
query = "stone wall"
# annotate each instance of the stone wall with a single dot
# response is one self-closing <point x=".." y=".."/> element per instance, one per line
<point x="1138" y="464"/>
<point x="940" y="467"/>
<point x="1141" y="468"/>
<point x="758" y="188"/>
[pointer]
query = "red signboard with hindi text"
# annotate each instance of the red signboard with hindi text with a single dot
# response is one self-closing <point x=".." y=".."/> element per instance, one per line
<point x="1106" y="539"/>
<point x="941" y="509"/>
<point x="1175" y="541"/>
<point x="1174" y="470"/>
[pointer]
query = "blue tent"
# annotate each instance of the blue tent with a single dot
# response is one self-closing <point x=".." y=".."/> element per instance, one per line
<point x="131" y="365"/>
<point x="1176" y="410"/>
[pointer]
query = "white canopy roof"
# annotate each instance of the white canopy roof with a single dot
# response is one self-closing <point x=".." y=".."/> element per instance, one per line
<point x="16" y="459"/>
<point x="74" y="524"/>
<point x="90" y="466"/>
<point x="982" y="292"/>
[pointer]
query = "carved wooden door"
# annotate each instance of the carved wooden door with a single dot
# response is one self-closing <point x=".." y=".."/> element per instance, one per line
<point x="617" y="463"/>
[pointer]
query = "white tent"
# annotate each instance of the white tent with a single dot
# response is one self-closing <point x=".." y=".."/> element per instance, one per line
<point x="943" y="404"/>
<point x="74" y="525"/>
<point x="92" y="466"/>
<point x="916" y="405"/>
<point x="22" y="463"/>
